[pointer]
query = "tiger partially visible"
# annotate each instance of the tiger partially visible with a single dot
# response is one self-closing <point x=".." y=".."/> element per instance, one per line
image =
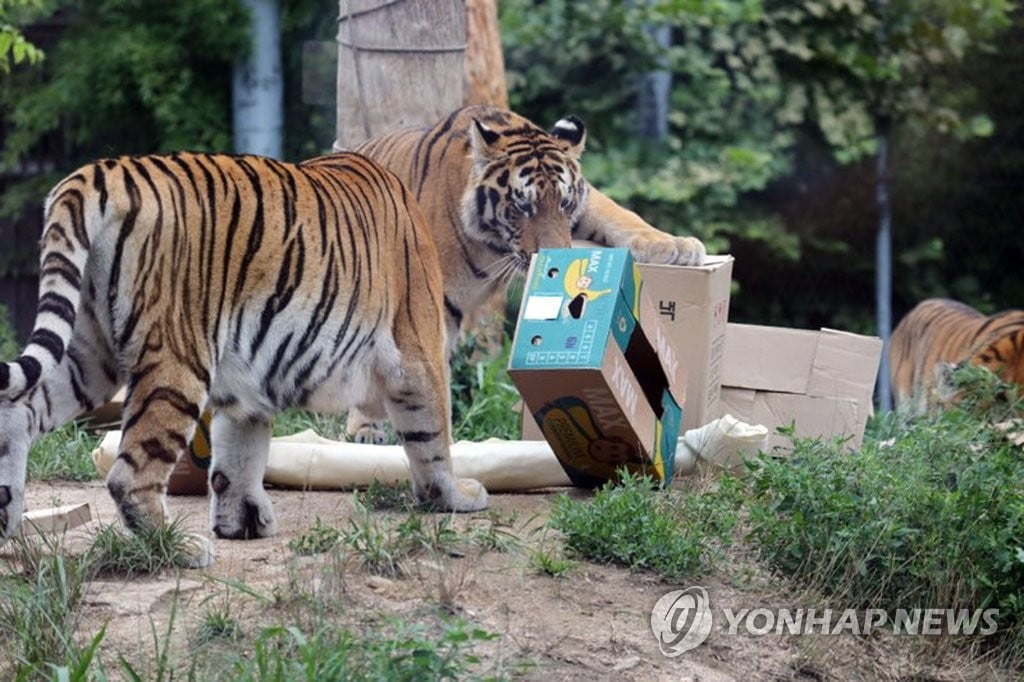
<point x="495" y="188"/>
<point x="939" y="333"/>
<point x="243" y="283"/>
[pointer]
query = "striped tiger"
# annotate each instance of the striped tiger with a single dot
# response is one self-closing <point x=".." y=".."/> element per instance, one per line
<point x="939" y="333"/>
<point x="495" y="187"/>
<point x="243" y="283"/>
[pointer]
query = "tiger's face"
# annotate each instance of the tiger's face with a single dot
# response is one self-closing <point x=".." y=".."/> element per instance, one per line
<point x="526" y="190"/>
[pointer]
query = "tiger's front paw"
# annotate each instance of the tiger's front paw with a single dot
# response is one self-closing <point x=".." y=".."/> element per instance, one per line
<point x="238" y="512"/>
<point x="669" y="251"/>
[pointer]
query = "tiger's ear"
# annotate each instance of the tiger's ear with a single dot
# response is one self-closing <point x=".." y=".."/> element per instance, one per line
<point x="571" y="130"/>
<point x="483" y="141"/>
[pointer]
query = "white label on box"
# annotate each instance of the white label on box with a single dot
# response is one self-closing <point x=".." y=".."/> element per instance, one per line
<point x="542" y="307"/>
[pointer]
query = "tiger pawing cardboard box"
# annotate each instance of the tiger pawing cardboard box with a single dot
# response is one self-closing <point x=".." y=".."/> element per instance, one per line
<point x="594" y="380"/>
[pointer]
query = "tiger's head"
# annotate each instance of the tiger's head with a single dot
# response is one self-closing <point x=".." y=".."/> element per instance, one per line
<point x="526" y="190"/>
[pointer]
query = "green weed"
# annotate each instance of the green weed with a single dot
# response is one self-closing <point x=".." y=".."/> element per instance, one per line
<point x="396" y="651"/>
<point x="38" y="611"/>
<point x="63" y="454"/>
<point x="634" y="525"/>
<point x="115" y="551"/>
<point x="320" y="538"/>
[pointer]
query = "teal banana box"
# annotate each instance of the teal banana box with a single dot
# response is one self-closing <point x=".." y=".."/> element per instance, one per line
<point x="595" y="381"/>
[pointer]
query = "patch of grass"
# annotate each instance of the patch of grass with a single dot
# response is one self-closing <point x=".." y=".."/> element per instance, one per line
<point x="930" y="515"/>
<point x="549" y="560"/>
<point x="331" y="426"/>
<point x="495" y="533"/>
<point x="38" y="611"/>
<point x="319" y="539"/>
<point x="63" y="454"/>
<point x="396" y="651"/>
<point x="217" y="625"/>
<point x="9" y="346"/>
<point x="115" y="551"/>
<point x="634" y="525"/>
<point x="388" y="496"/>
<point x="482" y="394"/>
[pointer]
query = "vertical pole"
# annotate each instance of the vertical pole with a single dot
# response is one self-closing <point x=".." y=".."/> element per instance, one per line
<point x="883" y="263"/>
<point x="258" y="87"/>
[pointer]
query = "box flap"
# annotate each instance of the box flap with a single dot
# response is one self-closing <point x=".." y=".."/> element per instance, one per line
<point x="845" y="365"/>
<point x="768" y="358"/>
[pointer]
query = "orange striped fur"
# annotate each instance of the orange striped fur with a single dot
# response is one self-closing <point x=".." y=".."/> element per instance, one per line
<point x="941" y="331"/>
<point x="241" y="283"/>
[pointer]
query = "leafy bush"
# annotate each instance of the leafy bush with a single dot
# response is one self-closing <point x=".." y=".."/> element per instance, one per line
<point x="634" y="525"/>
<point x="933" y="516"/>
<point x="397" y="651"/>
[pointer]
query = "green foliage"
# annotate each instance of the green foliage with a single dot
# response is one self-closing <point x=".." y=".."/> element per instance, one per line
<point x="129" y="77"/>
<point x="63" y="454"/>
<point x="483" y="396"/>
<point x="292" y="421"/>
<point x="319" y="539"/>
<point x="14" y="48"/>
<point x="38" y="610"/>
<point x="933" y="516"/>
<point x="217" y="625"/>
<point x="115" y="551"/>
<point x="396" y="651"/>
<point x="9" y="346"/>
<point x="388" y="497"/>
<point x="635" y="525"/>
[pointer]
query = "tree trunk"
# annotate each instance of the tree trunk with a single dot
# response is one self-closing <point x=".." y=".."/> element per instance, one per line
<point x="485" y="64"/>
<point x="883" y="262"/>
<point x="257" y="89"/>
<point x="400" y="63"/>
<point x="652" y="101"/>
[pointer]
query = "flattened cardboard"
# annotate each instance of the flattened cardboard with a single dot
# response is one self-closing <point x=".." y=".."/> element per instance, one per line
<point x="821" y="380"/>
<point x="590" y="377"/>
<point x="54" y="519"/>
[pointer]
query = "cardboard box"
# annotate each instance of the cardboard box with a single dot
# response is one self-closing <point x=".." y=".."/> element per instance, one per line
<point x="821" y="380"/>
<point x="588" y="371"/>
<point x="693" y="304"/>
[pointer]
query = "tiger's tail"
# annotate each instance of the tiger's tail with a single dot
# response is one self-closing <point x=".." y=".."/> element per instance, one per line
<point x="64" y="253"/>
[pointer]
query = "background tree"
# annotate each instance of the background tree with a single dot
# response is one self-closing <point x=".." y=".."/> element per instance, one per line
<point x="14" y="48"/>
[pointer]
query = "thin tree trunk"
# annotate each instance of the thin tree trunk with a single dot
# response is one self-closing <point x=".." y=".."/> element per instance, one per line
<point x="257" y="91"/>
<point x="883" y="262"/>
<point x="652" y="102"/>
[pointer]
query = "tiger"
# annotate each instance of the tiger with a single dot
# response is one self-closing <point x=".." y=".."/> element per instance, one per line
<point x="242" y="283"/>
<point x="495" y="188"/>
<point x="939" y="333"/>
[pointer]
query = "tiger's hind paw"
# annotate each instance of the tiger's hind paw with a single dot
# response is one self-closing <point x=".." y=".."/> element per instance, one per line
<point x="370" y="434"/>
<point x="468" y="495"/>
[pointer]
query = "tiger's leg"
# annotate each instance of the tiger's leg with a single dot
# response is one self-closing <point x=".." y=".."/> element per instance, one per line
<point x="362" y="429"/>
<point x="607" y="223"/>
<point x="416" y="401"/>
<point x="239" y="507"/>
<point x="84" y="379"/>
<point x="159" y="419"/>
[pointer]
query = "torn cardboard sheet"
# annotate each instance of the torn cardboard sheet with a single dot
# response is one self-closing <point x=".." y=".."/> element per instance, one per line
<point x="307" y="461"/>
<point x="54" y="519"/>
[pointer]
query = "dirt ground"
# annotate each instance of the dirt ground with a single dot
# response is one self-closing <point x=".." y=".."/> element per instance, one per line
<point x="591" y="624"/>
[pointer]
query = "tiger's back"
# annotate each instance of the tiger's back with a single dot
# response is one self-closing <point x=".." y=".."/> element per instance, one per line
<point x="942" y="331"/>
<point x="239" y="282"/>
